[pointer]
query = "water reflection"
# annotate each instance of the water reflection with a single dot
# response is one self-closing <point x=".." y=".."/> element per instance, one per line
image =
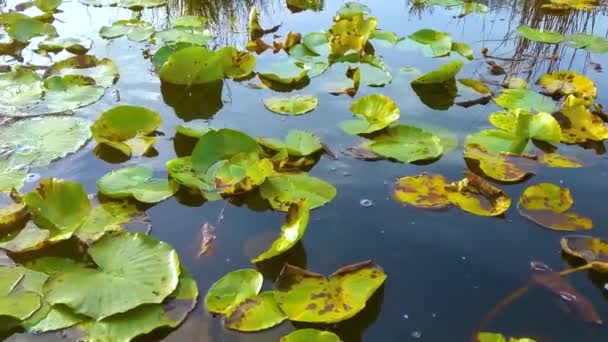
<point x="200" y="101"/>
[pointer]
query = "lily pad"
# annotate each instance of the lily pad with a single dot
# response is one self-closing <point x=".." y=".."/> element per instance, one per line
<point x="11" y="176"/>
<point x="14" y="303"/>
<point x="48" y="6"/>
<point x="580" y="124"/>
<point x="438" y="96"/>
<point x="103" y="71"/>
<point x="476" y="85"/>
<point x="525" y="99"/>
<point x="407" y="144"/>
<point x="497" y="141"/>
<point x="476" y="196"/>
<point x="137" y="182"/>
<point x="588" y="42"/>
<point x="560" y="161"/>
<point x="351" y="34"/>
<point x="19" y="90"/>
<point x="592" y="249"/>
<point x="426" y="191"/>
<point x="439" y="42"/>
<point x="496" y="337"/>
<point x="286" y="72"/>
<point x="548" y="204"/>
<point x="59" y="206"/>
<point x="569" y="82"/>
<point x="111" y="216"/>
<point x="306" y="335"/>
<point x="311" y="297"/>
<point x="292" y="231"/>
<point x="77" y="46"/>
<point x="303" y="5"/>
<point x="504" y="167"/>
<point x="282" y="190"/>
<point x="443" y="74"/>
<point x="135" y="5"/>
<point x="540" y="126"/>
<point x="127" y="129"/>
<point x="220" y="145"/>
<point x="255" y="314"/>
<point x="182" y="172"/>
<point x="544" y="36"/>
<point x="186" y="34"/>
<point x="12" y="210"/>
<point x="22" y="28"/>
<point x="297" y="143"/>
<point x="135" y="30"/>
<point x="294" y="105"/>
<point x="193" y="129"/>
<point x="67" y="93"/>
<point x="150" y="276"/>
<point x="376" y="111"/>
<point x="145" y="318"/>
<point x="193" y="65"/>
<point x="231" y="290"/>
<point x="564" y="5"/>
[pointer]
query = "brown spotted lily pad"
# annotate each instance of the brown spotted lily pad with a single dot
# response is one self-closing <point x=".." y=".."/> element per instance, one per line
<point x="504" y="167"/>
<point x="255" y="314"/>
<point x="311" y="297"/>
<point x="472" y="194"/>
<point x="591" y="249"/>
<point x="548" y="204"/>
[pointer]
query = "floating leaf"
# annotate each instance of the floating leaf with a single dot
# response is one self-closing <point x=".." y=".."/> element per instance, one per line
<point x="476" y="196"/>
<point x="581" y="125"/>
<point x="110" y="217"/>
<point x="12" y="210"/>
<point x="135" y="30"/>
<point x="588" y="42"/>
<point x="463" y="49"/>
<point x="22" y="28"/>
<point x="561" y="5"/>
<point x="149" y="277"/>
<point x="302" y="5"/>
<point x="547" y="204"/>
<point x="194" y="129"/>
<point x="591" y="249"/>
<point x="351" y="34"/>
<point x="285" y="72"/>
<point x="297" y="143"/>
<point x="504" y="167"/>
<point x="306" y="335"/>
<point x="15" y="303"/>
<point x="386" y="36"/>
<point x="525" y="99"/>
<point x="135" y="5"/>
<point x="67" y="93"/>
<point x="181" y="171"/>
<point x="103" y="71"/>
<point x="137" y="182"/>
<point x="376" y="111"/>
<point x="439" y="42"/>
<point x="77" y="46"/>
<point x="10" y="176"/>
<point x="540" y="126"/>
<point x="407" y="144"/>
<point x="48" y="6"/>
<point x="59" y="206"/>
<point x="569" y="82"/>
<point x="496" y="141"/>
<point x="560" y="161"/>
<point x="145" y="318"/>
<point x="438" y="96"/>
<point x="187" y="35"/>
<point x="39" y="141"/>
<point x="544" y="36"/>
<point x="292" y="231"/>
<point x="255" y="314"/>
<point x="311" y="297"/>
<point x="352" y="9"/>
<point x="20" y="89"/>
<point x="443" y="74"/>
<point x="255" y="29"/>
<point x="283" y="190"/>
<point x="127" y="129"/>
<point x="233" y="289"/>
<point x="496" y="337"/>
<point x="294" y="105"/>
<point x="476" y="85"/>
<point x="426" y="191"/>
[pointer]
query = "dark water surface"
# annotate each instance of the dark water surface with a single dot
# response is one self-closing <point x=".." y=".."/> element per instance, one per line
<point x="445" y="269"/>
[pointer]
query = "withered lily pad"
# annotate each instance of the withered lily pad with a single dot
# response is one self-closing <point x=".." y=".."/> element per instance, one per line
<point x="504" y="166"/>
<point x="294" y="105"/>
<point x="112" y="216"/>
<point x="426" y="191"/>
<point x="284" y="189"/>
<point x="581" y="125"/>
<point x="306" y="335"/>
<point x="548" y="204"/>
<point x="592" y="249"/>
<point x="569" y="82"/>
<point x="375" y="111"/>
<point x="560" y="161"/>
<point x="305" y="296"/>
<point x="351" y="33"/>
<point x="292" y="231"/>
<point x="137" y="182"/>
<point x="255" y="314"/>
<point x="233" y="289"/>
<point x="127" y="129"/>
<point x="476" y="85"/>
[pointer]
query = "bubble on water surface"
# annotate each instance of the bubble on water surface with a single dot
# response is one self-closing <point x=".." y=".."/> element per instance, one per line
<point x="366" y="203"/>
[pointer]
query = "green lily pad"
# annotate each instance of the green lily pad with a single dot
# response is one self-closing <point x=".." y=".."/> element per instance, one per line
<point x="496" y="141"/>
<point x="294" y="105"/>
<point x="525" y="99"/>
<point x="496" y="337"/>
<point x="185" y="34"/>
<point x="548" y="204"/>
<point x="439" y="42"/>
<point x="135" y="5"/>
<point x="233" y="289"/>
<point x="193" y="129"/>
<point x="255" y="314"/>
<point x="182" y="172"/>
<point x="137" y="182"/>
<point x="221" y="145"/>
<point x="15" y="303"/>
<point x="20" y="89"/>
<point x="376" y="111"/>
<point x="540" y="126"/>
<point x="588" y="42"/>
<point x="193" y="65"/>
<point x="143" y="319"/>
<point x="311" y="297"/>
<point x="12" y="210"/>
<point x="39" y="141"/>
<point x="386" y="36"/>
<point x="296" y="6"/>
<point x="59" y="206"/>
<point x="11" y="177"/>
<point x="476" y="85"/>
<point x="443" y="74"/>
<point x="135" y="30"/>
<point x="286" y="72"/>
<point x="297" y="143"/>
<point x="292" y="231"/>
<point x="306" y="335"/>
<point x="283" y="190"/>
<point x="109" y="217"/>
<point x="22" y="28"/>
<point x="463" y="49"/>
<point x="127" y="129"/>
<point x="149" y="277"/>
<point x="77" y="46"/>
<point x="352" y="9"/>
<point x="103" y="71"/>
<point x="544" y="36"/>
<point x="67" y="93"/>
<point x="372" y="70"/>
<point x="407" y="144"/>
<point x="438" y="96"/>
<point x="48" y="6"/>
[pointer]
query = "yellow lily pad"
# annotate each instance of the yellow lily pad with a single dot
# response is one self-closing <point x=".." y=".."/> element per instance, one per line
<point x="563" y="5"/>
<point x="560" y="161"/>
<point x="581" y="125"/>
<point x="591" y="249"/>
<point x="426" y="191"/>
<point x="505" y="166"/>
<point x="351" y="34"/>
<point x="547" y="205"/>
<point x="569" y="82"/>
<point x="476" y="196"/>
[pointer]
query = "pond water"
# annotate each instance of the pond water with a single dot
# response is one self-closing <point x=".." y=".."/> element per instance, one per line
<point x="446" y="269"/>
